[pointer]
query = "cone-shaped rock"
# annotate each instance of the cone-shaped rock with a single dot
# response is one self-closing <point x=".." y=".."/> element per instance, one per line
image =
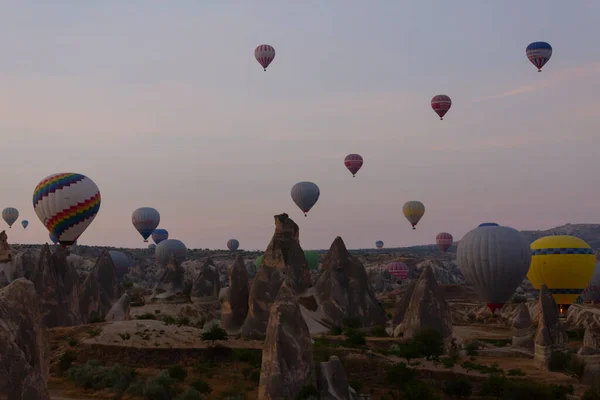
<point x="121" y="310"/>
<point x="522" y="336"/>
<point x="590" y="345"/>
<point x="427" y="309"/>
<point x="100" y="289"/>
<point x="287" y="361"/>
<point x="24" y="352"/>
<point x="551" y="334"/>
<point x="5" y="251"/>
<point x="234" y="307"/>
<point x="332" y="380"/>
<point x="263" y="292"/>
<point x="402" y="305"/>
<point x="523" y="318"/>
<point x="171" y="284"/>
<point x="207" y="284"/>
<point x="343" y="289"/>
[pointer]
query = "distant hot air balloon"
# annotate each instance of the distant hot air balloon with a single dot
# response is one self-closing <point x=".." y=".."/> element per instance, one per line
<point x="441" y="104"/>
<point x="353" y="162"/>
<point x="233" y="244"/>
<point x="413" y="211"/>
<point x="564" y="263"/>
<point x="53" y="238"/>
<point x="66" y="203"/>
<point x="379" y="244"/>
<point x="121" y="261"/>
<point x="152" y="246"/>
<point x="145" y="220"/>
<point x="10" y="215"/>
<point x="312" y="257"/>
<point x="494" y="259"/>
<point x="398" y="270"/>
<point x="305" y="195"/>
<point x="444" y="241"/>
<point x="24" y="223"/>
<point x="592" y="291"/>
<point x="170" y="248"/>
<point x="258" y="261"/>
<point x="488" y="224"/>
<point x="539" y="53"/>
<point x="264" y="54"/>
<point x="159" y="235"/>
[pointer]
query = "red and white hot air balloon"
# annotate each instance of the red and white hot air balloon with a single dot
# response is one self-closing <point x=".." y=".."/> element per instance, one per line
<point x="398" y="270"/>
<point x="264" y="54"/>
<point x="444" y="241"/>
<point x="441" y="104"/>
<point x="353" y="162"/>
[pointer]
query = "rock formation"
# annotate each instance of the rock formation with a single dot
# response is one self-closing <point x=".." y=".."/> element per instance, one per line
<point x="121" y="310"/>
<point x="343" y="289"/>
<point x="332" y="381"/>
<point x="590" y="345"/>
<point x="402" y="304"/>
<point x="24" y="352"/>
<point x="5" y="251"/>
<point x="522" y="337"/>
<point x="284" y="253"/>
<point x="57" y="287"/>
<point x="171" y="284"/>
<point x="427" y="309"/>
<point x="207" y="284"/>
<point x="100" y="289"/>
<point x="234" y="307"/>
<point x="287" y="361"/>
<point x="551" y="334"/>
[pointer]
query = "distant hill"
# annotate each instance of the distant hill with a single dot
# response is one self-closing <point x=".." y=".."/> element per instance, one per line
<point x="588" y="232"/>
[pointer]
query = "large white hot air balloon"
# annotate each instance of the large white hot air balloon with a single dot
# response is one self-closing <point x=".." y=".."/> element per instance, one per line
<point x="10" y="215"/>
<point x="170" y="247"/>
<point x="494" y="259"/>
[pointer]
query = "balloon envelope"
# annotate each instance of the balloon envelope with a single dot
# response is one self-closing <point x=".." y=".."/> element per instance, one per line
<point x="379" y="244"/>
<point x="398" y="270"/>
<point x="305" y="195"/>
<point x="488" y="224"/>
<point x="494" y="259"/>
<point x="152" y="246"/>
<point x="441" y="104"/>
<point x="539" y="53"/>
<point x="24" y="223"/>
<point x="592" y="291"/>
<point x="564" y="263"/>
<point x="444" y="240"/>
<point x="145" y="220"/>
<point x="413" y="211"/>
<point x="66" y="203"/>
<point x="264" y="54"/>
<point x="353" y="162"/>
<point x="10" y="215"/>
<point x="53" y="238"/>
<point x="159" y="235"/>
<point x="170" y="248"/>
<point x="121" y="261"/>
<point x="258" y="261"/>
<point x="233" y="244"/>
<point x="312" y="257"/>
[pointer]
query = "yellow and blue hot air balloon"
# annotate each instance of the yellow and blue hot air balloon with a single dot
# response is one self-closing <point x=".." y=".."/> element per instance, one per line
<point x="564" y="263"/>
<point x="413" y="211"/>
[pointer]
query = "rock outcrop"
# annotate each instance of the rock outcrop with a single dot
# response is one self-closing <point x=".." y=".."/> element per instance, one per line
<point x="234" y="307"/>
<point x="590" y="345"/>
<point x="121" y="310"/>
<point x="100" y="289"/>
<point x="5" y="251"/>
<point x="285" y="254"/>
<point x="24" y="352"/>
<point x="343" y="289"/>
<point x="402" y="304"/>
<point x="287" y="361"/>
<point x="333" y="382"/>
<point x="551" y="334"/>
<point x="171" y="284"/>
<point x="522" y="337"/>
<point x="207" y="284"/>
<point x="263" y="292"/>
<point x="427" y="309"/>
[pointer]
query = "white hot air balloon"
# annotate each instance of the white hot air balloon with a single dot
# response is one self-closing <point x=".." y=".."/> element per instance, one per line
<point x="145" y="220"/>
<point x="170" y="248"/>
<point x="10" y="215"/>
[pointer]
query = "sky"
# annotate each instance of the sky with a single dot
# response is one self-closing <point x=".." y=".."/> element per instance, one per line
<point x="163" y="105"/>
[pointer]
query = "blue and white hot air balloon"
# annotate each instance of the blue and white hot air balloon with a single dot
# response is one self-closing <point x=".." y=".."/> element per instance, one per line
<point x="539" y="54"/>
<point x="159" y="235"/>
<point x="145" y="220"/>
<point x="10" y="215"/>
<point x="379" y="244"/>
<point x="233" y="244"/>
<point x="170" y="248"/>
<point x="24" y="223"/>
<point x="121" y="261"/>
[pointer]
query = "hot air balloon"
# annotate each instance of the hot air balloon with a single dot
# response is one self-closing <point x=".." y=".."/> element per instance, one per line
<point x="564" y="263"/>
<point x="444" y="241"/>
<point x="379" y="244"/>
<point x="159" y="235"/>
<point x="24" y="223"/>
<point x="312" y="257"/>
<point x="264" y="54"/>
<point x="66" y="203"/>
<point x="592" y="292"/>
<point x="494" y="259"/>
<point x="53" y="238"/>
<point x="152" y="246"/>
<point x="121" y="261"/>
<point x="488" y="224"/>
<point x="170" y="248"/>
<point x="353" y="162"/>
<point x="305" y="195"/>
<point x="539" y="53"/>
<point x="258" y="261"/>
<point x="233" y="244"/>
<point x="10" y="215"/>
<point x="145" y="220"/>
<point x="398" y="270"/>
<point x="441" y="104"/>
<point x="413" y="211"/>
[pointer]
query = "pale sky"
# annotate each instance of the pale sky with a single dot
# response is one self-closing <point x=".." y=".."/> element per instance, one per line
<point x="162" y="104"/>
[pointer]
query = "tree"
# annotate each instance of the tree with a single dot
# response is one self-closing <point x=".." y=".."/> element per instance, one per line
<point x="429" y="342"/>
<point x="214" y="333"/>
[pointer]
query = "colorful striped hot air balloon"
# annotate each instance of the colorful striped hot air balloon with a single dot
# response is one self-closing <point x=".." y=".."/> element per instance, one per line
<point x="305" y="195"/>
<point x="353" y="162"/>
<point x="170" y="248"/>
<point x="145" y="220"/>
<point x="398" y="270"/>
<point x="441" y="104"/>
<point x="10" y="215"/>
<point x="159" y="235"/>
<point x="264" y="54"/>
<point x="24" y="223"/>
<point x="379" y="244"/>
<point x="413" y="211"/>
<point x="539" y="54"/>
<point x="66" y="203"/>
<point x="233" y="244"/>
<point x="444" y="241"/>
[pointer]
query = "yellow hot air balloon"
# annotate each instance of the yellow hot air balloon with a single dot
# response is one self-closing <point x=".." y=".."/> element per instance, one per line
<point x="564" y="263"/>
<point x="413" y="211"/>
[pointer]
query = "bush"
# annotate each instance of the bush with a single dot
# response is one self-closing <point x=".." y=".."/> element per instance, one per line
<point x="576" y="367"/>
<point x="408" y="351"/>
<point x="458" y="387"/>
<point x="72" y="342"/>
<point x="351" y="322"/>
<point x="177" y="372"/>
<point x="399" y="374"/>
<point x="145" y="316"/>
<point x="252" y="357"/>
<point x="159" y="388"/>
<point x="65" y="360"/>
<point x="190" y="394"/>
<point x="336" y="331"/>
<point x="93" y="375"/>
<point x="201" y="386"/>
<point x="472" y="348"/>
<point x="429" y="342"/>
<point x="308" y="392"/>
<point x="494" y="386"/>
<point x="447" y="362"/>
<point x="418" y="390"/>
<point x="516" y="372"/>
<point x="214" y="333"/>
<point x="94" y="332"/>
<point x="96" y="317"/>
<point x="354" y="338"/>
<point x="559" y="361"/>
<point x="379" y="331"/>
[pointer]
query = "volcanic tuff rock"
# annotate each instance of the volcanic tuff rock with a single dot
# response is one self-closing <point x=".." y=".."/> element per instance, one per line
<point x="590" y="345"/>
<point x="343" y="289"/>
<point x="24" y="352"/>
<point x="551" y="334"/>
<point x="402" y="304"/>
<point x="171" y="284"/>
<point x="207" y="284"/>
<point x="5" y="251"/>
<point x="120" y="311"/>
<point x="522" y="337"/>
<point x="287" y="361"/>
<point x="332" y="381"/>
<point x="284" y="253"/>
<point x="234" y="307"/>
<point x="100" y="289"/>
<point x="427" y="309"/>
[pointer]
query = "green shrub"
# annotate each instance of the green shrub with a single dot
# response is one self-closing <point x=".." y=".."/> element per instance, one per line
<point x="336" y="331"/>
<point x="94" y="375"/>
<point x="515" y="372"/>
<point x="201" y="386"/>
<point x="472" y="348"/>
<point x="399" y="374"/>
<point x="494" y="386"/>
<point x="214" y="333"/>
<point x="177" y="372"/>
<point x="351" y="322"/>
<point x="354" y="338"/>
<point x="94" y="332"/>
<point x="458" y="387"/>
<point x="161" y="387"/>
<point x="190" y="394"/>
<point x="250" y="356"/>
<point x="96" y="317"/>
<point x="65" y="360"/>
<point x="72" y="342"/>
<point x="429" y="342"/>
<point x="418" y="390"/>
<point x="308" y="392"/>
<point x="145" y="316"/>
<point x="379" y="331"/>
<point x="447" y="362"/>
<point x="559" y="361"/>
